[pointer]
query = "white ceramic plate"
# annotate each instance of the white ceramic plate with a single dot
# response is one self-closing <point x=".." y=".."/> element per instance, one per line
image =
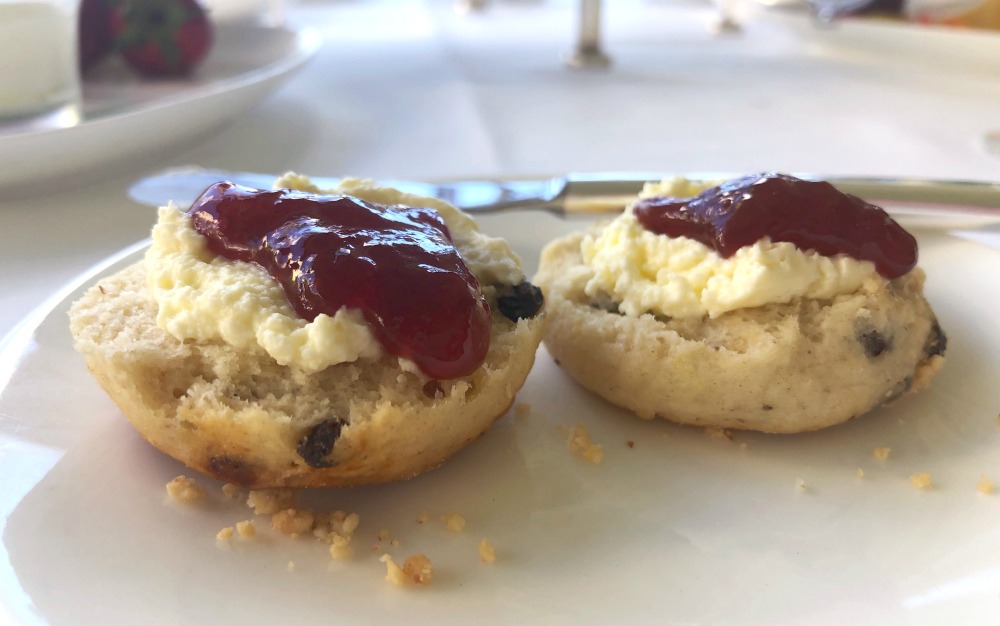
<point x="126" y="116"/>
<point x="682" y="528"/>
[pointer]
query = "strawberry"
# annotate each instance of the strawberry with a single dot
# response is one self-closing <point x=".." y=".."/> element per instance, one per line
<point x="96" y="40"/>
<point x="162" y="37"/>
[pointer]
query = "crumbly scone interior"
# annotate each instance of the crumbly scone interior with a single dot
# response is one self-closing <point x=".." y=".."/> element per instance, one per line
<point x="249" y="398"/>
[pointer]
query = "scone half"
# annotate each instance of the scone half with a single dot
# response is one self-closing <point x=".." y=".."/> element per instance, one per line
<point x="785" y="367"/>
<point x="240" y="416"/>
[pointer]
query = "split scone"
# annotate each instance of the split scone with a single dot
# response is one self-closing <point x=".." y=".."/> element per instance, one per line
<point x="287" y="338"/>
<point x="766" y="303"/>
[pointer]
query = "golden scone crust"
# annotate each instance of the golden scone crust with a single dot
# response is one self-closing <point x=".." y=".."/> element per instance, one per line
<point x="241" y="417"/>
<point x="780" y="368"/>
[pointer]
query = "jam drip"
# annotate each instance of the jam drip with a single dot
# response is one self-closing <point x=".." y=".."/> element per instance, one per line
<point x="811" y="215"/>
<point x="396" y="264"/>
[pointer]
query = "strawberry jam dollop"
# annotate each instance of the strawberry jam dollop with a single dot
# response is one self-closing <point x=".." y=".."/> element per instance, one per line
<point x="396" y="264"/>
<point x="811" y="215"/>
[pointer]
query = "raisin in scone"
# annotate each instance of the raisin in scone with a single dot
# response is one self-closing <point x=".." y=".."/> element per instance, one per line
<point x="766" y="303"/>
<point x="361" y="342"/>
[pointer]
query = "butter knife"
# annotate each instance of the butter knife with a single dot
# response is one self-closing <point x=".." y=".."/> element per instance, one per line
<point x="929" y="203"/>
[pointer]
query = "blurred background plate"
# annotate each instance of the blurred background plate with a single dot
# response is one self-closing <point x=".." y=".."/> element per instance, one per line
<point x="126" y="117"/>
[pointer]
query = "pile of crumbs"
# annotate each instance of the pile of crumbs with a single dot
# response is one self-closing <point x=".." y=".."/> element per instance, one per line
<point x="335" y="528"/>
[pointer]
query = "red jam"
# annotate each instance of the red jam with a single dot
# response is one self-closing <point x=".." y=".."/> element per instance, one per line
<point x="396" y="264"/>
<point x="811" y="215"/>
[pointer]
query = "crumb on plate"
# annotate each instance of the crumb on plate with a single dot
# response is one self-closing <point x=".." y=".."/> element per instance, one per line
<point x="580" y="443"/>
<point x="486" y="552"/>
<point x="225" y="534"/>
<point x="293" y="521"/>
<point x="270" y="501"/>
<point x="416" y="569"/>
<point x="921" y="480"/>
<point x="246" y="528"/>
<point x="985" y="485"/>
<point x="716" y="432"/>
<point x="454" y="522"/>
<point x="340" y="547"/>
<point x="881" y="453"/>
<point x="184" y="489"/>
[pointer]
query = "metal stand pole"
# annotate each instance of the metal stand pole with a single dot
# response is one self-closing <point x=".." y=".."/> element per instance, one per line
<point x="588" y="48"/>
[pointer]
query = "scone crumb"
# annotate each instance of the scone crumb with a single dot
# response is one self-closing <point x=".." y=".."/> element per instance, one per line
<point x="580" y="443"/>
<point x="985" y="485"/>
<point x="231" y="491"/>
<point x="743" y="445"/>
<point x="860" y="473"/>
<point x="291" y="566"/>
<point x="350" y="524"/>
<point x="486" y="552"/>
<point x="184" y="489"/>
<point x="800" y="484"/>
<point x="383" y="534"/>
<point x="454" y="522"/>
<point x="247" y="528"/>
<point x="336" y="528"/>
<point x="521" y="409"/>
<point x="921" y="480"/>
<point x="340" y="547"/>
<point x="394" y="543"/>
<point x="424" y="517"/>
<point x="630" y="443"/>
<point x="270" y="501"/>
<point x="293" y="521"/>
<point x="225" y="534"/>
<point x="881" y="453"/>
<point x="393" y="572"/>
<point x="715" y="432"/>
<point x="418" y="569"/>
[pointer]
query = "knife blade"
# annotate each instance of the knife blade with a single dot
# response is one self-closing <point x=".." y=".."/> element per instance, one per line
<point x="928" y="203"/>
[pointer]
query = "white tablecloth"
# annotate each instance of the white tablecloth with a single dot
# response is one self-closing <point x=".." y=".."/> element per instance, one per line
<point x="414" y="90"/>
